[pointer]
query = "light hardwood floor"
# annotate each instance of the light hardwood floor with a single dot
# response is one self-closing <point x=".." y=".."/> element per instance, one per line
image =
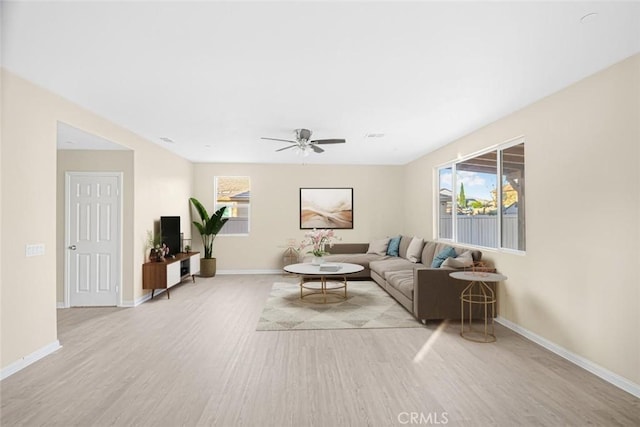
<point x="196" y="359"/>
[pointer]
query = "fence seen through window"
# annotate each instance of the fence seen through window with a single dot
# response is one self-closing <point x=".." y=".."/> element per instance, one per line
<point x="481" y="199"/>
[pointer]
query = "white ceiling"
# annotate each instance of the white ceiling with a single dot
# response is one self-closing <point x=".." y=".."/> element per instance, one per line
<point x="71" y="138"/>
<point x="216" y="76"/>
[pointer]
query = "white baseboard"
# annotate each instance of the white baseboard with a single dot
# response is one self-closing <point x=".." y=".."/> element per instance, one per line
<point x="611" y="377"/>
<point x="229" y="272"/>
<point x="140" y="300"/>
<point x="147" y="297"/>
<point x="60" y="304"/>
<point x="29" y="359"/>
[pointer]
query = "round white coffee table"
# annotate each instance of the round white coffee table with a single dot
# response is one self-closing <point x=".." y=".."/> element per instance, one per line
<point x="319" y="274"/>
<point x="478" y="292"/>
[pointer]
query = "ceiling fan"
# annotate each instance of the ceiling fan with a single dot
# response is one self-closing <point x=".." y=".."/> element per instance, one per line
<point x="303" y="143"/>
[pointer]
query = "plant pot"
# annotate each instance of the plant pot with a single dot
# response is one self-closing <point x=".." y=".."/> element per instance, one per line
<point x="208" y="267"/>
<point x="155" y="255"/>
<point x="317" y="260"/>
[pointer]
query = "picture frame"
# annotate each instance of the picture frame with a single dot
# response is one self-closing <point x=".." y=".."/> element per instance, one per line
<point x="328" y="208"/>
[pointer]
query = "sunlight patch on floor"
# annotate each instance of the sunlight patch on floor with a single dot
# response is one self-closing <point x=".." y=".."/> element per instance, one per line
<point x="430" y="342"/>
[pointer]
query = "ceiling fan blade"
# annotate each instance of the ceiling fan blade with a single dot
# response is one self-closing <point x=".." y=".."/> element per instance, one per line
<point x="328" y="141"/>
<point x="278" y="139"/>
<point x="316" y="148"/>
<point x="286" y="148"/>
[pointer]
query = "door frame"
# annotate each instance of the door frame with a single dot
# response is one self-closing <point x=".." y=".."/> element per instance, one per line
<point x="67" y="225"/>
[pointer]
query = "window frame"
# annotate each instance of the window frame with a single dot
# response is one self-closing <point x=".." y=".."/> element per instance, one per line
<point x="498" y="148"/>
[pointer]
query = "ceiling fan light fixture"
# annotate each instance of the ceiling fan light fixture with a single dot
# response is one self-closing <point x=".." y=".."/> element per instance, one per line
<point x="303" y="134"/>
<point x="301" y="150"/>
<point x="303" y="143"/>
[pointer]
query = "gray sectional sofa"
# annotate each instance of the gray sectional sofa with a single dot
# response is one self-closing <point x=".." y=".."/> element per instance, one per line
<point x="426" y="292"/>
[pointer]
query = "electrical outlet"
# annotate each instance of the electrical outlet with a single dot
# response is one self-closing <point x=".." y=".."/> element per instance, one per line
<point x="35" y="250"/>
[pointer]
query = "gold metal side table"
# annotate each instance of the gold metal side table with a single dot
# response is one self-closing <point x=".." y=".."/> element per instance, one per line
<point x="478" y="292"/>
<point x="290" y="256"/>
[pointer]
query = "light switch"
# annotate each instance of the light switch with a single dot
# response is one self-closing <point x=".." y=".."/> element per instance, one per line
<point x="36" y="249"/>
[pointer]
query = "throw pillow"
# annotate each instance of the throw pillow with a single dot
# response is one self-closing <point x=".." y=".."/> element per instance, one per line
<point x="442" y="256"/>
<point x="415" y="249"/>
<point x="463" y="260"/>
<point x="379" y="247"/>
<point x="394" y="247"/>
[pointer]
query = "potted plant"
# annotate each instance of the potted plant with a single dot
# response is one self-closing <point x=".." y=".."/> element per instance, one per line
<point x="154" y="243"/>
<point x="318" y="239"/>
<point x="208" y="229"/>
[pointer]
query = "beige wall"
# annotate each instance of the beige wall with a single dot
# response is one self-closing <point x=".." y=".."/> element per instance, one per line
<point x="2" y="133"/>
<point x="96" y="161"/>
<point x="28" y="315"/>
<point x="162" y="186"/>
<point x="577" y="285"/>
<point x="275" y="206"/>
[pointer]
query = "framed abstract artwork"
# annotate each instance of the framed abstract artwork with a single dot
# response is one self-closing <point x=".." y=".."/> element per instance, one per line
<point x="326" y="208"/>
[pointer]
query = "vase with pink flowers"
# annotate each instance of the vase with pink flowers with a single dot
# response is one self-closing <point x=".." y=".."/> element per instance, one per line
<point x="318" y="241"/>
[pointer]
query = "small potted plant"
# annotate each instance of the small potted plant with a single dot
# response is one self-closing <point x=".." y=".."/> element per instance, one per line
<point x="208" y="228"/>
<point x="154" y="243"/>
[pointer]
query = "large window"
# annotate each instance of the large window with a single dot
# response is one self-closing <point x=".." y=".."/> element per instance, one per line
<point x="234" y="192"/>
<point x="481" y="199"/>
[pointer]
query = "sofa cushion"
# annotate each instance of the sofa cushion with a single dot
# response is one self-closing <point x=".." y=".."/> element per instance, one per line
<point x="405" y="241"/>
<point x="463" y="260"/>
<point x="431" y="249"/>
<point x="402" y="281"/>
<point x="381" y="267"/>
<point x="442" y="256"/>
<point x="394" y="246"/>
<point x="428" y="253"/>
<point x="443" y="246"/>
<point x="414" y="251"/>
<point x="379" y="247"/>
<point x="360" y="259"/>
<point x="348" y="248"/>
<point x="475" y="254"/>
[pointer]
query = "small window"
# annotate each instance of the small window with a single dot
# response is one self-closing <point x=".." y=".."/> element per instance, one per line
<point x="234" y="192"/>
<point x="481" y="199"/>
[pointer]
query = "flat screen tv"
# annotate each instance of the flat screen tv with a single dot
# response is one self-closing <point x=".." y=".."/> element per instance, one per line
<point x="170" y="229"/>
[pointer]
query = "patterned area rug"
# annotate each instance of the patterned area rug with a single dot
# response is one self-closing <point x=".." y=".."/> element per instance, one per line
<point x="367" y="306"/>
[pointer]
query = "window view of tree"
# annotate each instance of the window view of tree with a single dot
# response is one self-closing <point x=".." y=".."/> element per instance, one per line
<point x="476" y="216"/>
<point x="462" y="199"/>
<point x="489" y="212"/>
<point x="234" y="192"/>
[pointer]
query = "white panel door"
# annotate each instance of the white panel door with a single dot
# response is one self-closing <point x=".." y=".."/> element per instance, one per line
<point x="93" y="239"/>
